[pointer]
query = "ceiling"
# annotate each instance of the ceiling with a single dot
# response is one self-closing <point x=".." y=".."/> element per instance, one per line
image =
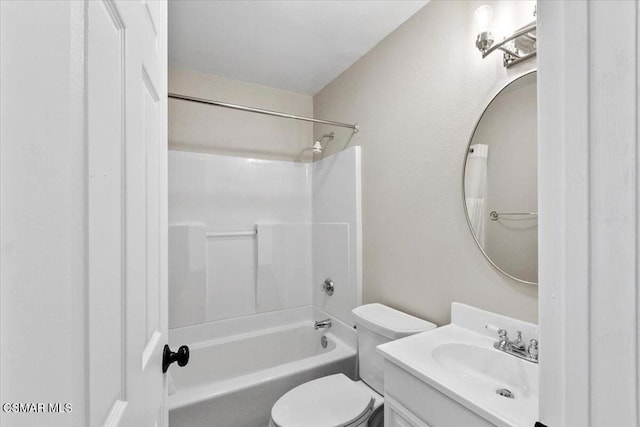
<point x="298" y="46"/>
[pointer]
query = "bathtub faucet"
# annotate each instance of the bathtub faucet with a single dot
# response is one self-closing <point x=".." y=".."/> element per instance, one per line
<point x="326" y="323"/>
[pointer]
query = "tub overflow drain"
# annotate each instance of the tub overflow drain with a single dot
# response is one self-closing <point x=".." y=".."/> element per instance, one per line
<point x="506" y="393"/>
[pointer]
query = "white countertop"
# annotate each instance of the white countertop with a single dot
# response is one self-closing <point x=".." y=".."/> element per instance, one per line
<point x="463" y="365"/>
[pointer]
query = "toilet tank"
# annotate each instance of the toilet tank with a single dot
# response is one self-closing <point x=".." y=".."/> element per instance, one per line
<point x="378" y="324"/>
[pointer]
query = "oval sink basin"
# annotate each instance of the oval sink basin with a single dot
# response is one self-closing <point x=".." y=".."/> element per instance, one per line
<point x="488" y="367"/>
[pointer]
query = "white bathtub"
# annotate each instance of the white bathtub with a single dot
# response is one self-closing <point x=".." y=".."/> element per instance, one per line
<point x="234" y="380"/>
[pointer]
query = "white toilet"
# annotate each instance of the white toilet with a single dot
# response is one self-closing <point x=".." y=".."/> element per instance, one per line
<point x="336" y="400"/>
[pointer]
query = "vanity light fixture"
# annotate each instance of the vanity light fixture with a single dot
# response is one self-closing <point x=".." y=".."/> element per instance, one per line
<point x="483" y="16"/>
<point x="518" y="47"/>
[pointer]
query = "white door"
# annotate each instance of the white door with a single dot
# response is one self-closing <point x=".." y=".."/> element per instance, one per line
<point x="127" y="211"/>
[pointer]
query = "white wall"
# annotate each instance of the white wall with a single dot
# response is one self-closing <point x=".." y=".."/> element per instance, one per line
<point x="209" y="129"/>
<point x="417" y="96"/>
<point x="42" y="216"/>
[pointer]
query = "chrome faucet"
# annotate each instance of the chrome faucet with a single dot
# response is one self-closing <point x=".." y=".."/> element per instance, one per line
<point x="518" y="344"/>
<point x="323" y="324"/>
<point x="517" y="347"/>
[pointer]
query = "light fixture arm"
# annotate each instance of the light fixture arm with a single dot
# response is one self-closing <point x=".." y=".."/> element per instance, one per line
<point x="524" y="31"/>
<point x="518" y="47"/>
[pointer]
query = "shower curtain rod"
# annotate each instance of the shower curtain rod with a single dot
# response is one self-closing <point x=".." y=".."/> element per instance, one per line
<point x="261" y="111"/>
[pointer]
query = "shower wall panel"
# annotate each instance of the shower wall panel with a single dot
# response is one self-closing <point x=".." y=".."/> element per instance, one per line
<point x="217" y="277"/>
<point x="337" y="232"/>
<point x="281" y="228"/>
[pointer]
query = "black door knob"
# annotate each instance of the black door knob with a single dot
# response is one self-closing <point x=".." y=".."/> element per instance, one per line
<point x="168" y="357"/>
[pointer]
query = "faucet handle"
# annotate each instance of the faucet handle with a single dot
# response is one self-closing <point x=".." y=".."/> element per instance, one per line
<point x="533" y="348"/>
<point x="503" y="341"/>
<point x="502" y="333"/>
<point x="327" y="286"/>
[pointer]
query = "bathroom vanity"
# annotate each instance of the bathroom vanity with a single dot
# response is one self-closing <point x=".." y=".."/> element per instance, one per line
<point x="454" y="375"/>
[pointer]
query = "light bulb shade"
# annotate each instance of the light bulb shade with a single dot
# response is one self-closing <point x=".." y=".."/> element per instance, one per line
<point x="483" y="16"/>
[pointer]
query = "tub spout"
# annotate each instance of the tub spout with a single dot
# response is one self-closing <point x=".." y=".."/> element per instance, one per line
<point x="326" y="323"/>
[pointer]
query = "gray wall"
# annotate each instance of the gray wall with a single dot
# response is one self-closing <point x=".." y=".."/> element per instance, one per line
<point x="208" y="129"/>
<point x="417" y="96"/>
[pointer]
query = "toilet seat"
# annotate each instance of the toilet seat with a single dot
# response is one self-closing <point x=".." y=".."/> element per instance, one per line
<point x="331" y="401"/>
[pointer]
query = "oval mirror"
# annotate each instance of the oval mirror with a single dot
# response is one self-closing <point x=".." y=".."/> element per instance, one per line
<point x="500" y="190"/>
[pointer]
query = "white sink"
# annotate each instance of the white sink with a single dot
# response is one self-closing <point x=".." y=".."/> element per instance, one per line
<point x="488" y="368"/>
<point x="462" y="364"/>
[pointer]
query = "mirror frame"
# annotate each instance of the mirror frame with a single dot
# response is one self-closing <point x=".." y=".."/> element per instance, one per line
<point x="464" y="172"/>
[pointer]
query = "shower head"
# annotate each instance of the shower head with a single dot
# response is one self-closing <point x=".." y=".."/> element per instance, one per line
<point x="317" y="146"/>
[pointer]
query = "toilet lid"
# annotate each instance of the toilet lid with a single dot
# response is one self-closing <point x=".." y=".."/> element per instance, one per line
<point x="332" y="401"/>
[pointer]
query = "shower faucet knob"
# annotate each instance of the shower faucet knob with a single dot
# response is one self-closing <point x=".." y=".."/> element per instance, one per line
<point x="327" y="286"/>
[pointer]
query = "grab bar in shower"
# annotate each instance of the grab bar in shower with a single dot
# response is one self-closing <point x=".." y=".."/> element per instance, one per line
<point x="494" y="216"/>
<point x="232" y="233"/>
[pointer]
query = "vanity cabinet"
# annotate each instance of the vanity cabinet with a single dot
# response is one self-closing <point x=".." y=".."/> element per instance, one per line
<point x="410" y="402"/>
<point x="396" y="415"/>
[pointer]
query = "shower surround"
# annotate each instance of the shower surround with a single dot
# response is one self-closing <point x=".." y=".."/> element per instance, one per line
<point x="250" y="242"/>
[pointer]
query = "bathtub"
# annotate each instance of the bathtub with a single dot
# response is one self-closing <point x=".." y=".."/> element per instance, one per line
<point x="233" y="379"/>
